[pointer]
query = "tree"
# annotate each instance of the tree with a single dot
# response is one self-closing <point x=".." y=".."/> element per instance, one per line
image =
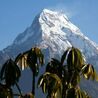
<point x="32" y="58"/>
<point x="9" y="76"/>
<point x="63" y="77"/>
<point x="60" y="80"/>
<point x="10" y="71"/>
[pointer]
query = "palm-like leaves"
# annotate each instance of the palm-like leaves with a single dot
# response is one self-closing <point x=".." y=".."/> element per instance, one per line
<point x="54" y="66"/>
<point x="89" y="72"/>
<point x="21" y="60"/>
<point x="50" y="84"/>
<point x="81" y="94"/>
<point x="32" y="58"/>
<point x="76" y="93"/>
<point x="73" y="58"/>
<point x="10" y="73"/>
<point x="5" y="92"/>
<point x="61" y="79"/>
<point x="68" y="70"/>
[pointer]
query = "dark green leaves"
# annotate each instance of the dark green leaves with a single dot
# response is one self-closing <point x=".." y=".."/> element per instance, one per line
<point x="54" y="66"/>
<point x="50" y="84"/>
<point x="68" y="72"/>
<point x="89" y="72"/>
<point x="75" y="59"/>
<point x="10" y="73"/>
<point x="5" y="92"/>
<point x="32" y="58"/>
<point x="75" y="79"/>
<point x="21" y="60"/>
<point x="71" y="93"/>
<point x="81" y="94"/>
<point x="60" y="80"/>
<point x="76" y="93"/>
<point x="35" y="58"/>
<point x="64" y="56"/>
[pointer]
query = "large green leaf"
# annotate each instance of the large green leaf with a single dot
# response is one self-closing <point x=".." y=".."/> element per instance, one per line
<point x="54" y="66"/>
<point x="89" y="72"/>
<point x="79" y="58"/>
<point x="10" y="73"/>
<point x="21" y="60"/>
<point x="94" y="74"/>
<point x="32" y="58"/>
<point x="40" y="81"/>
<point x="64" y="56"/>
<point x="51" y="83"/>
<point x="75" y="59"/>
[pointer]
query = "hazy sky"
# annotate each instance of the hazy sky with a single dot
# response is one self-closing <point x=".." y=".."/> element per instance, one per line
<point x="17" y="15"/>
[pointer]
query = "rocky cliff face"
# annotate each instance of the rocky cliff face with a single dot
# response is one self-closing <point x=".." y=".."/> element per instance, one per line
<point x="54" y="33"/>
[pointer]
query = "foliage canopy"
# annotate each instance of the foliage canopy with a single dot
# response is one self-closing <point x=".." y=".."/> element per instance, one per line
<point x="61" y="78"/>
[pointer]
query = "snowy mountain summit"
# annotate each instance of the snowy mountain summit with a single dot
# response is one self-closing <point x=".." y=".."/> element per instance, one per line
<point x="53" y="32"/>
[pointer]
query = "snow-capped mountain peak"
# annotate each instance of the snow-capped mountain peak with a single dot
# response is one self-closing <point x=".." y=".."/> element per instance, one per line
<point x="56" y="20"/>
<point x="53" y="30"/>
<point x="48" y="23"/>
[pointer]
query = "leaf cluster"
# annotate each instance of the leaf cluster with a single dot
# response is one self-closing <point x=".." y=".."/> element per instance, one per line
<point x="68" y="71"/>
<point x="32" y="58"/>
<point x="60" y="80"/>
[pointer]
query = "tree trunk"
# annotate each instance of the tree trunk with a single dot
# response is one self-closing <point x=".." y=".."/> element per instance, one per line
<point x="20" y="93"/>
<point x="33" y="84"/>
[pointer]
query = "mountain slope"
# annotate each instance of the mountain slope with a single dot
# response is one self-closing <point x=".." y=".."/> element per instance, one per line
<point x="53" y="33"/>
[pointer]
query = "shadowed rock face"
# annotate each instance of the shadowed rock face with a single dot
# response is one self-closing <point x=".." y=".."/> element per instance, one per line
<point x="53" y="33"/>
